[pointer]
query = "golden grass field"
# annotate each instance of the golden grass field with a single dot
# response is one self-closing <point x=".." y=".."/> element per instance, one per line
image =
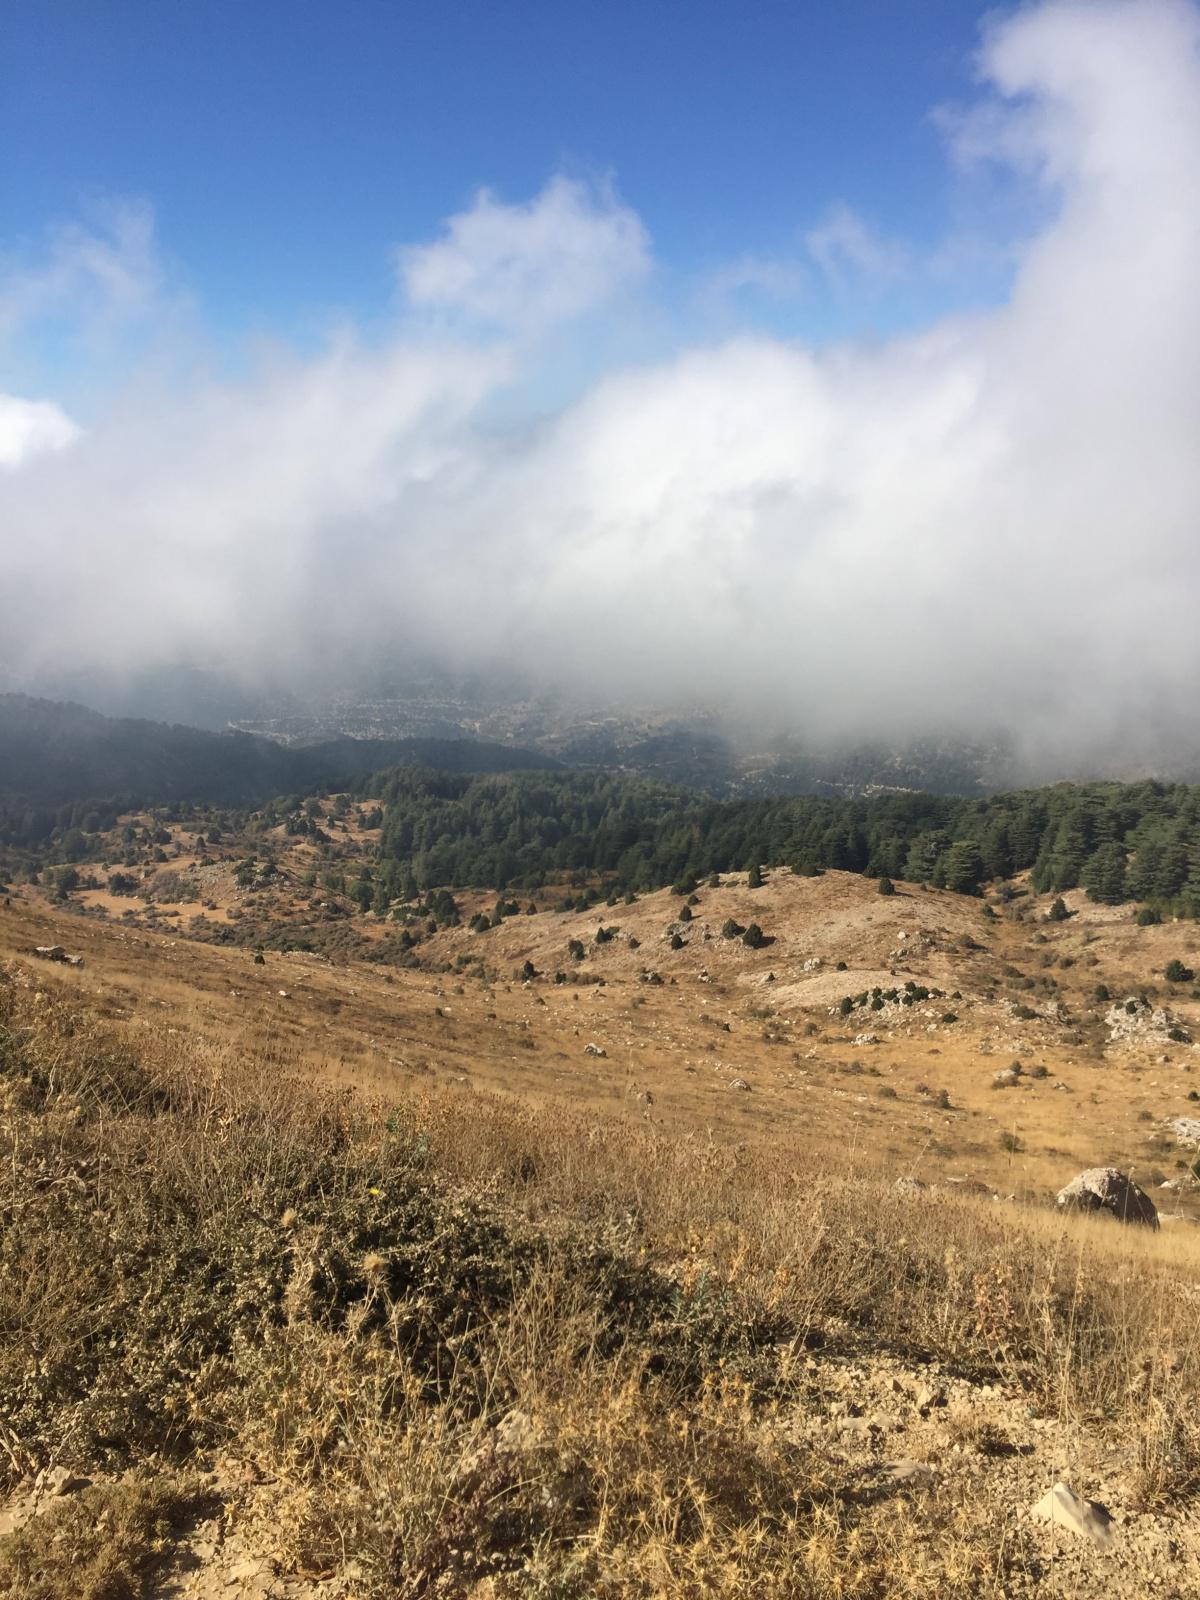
<point x="722" y="1014"/>
<point x="341" y="1279"/>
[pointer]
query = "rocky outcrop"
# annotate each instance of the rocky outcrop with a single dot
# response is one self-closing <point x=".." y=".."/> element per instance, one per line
<point x="1108" y="1190"/>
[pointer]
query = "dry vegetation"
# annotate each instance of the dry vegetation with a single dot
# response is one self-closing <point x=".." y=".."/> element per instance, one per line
<point x="344" y="1278"/>
<point x="522" y="1351"/>
<point x="682" y="1029"/>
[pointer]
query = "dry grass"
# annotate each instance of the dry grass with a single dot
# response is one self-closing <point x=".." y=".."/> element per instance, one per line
<point x="102" y="1544"/>
<point x="527" y="1347"/>
<point x="687" y="1041"/>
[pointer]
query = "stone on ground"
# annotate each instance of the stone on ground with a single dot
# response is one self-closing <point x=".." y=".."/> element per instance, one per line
<point x="1109" y="1190"/>
<point x="1087" y="1518"/>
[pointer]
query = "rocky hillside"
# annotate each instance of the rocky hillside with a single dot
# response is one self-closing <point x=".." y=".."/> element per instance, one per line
<point x="265" y="1340"/>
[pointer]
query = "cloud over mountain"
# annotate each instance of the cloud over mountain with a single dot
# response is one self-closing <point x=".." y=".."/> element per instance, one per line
<point x="992" y="519"/>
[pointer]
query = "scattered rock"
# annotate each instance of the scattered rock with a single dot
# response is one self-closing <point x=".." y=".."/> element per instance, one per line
<point x="910" y="1185"/>
<point x="60" y="1481"/>
<point x="1109" y="1190"/>
<point x="55" y="952"/>
<point x="906" y="1470"/>
<point x="515" y="1433"/>
<point x="1185" y="1129"/>
<point x="1134" y="1020"/>
<point x="1087" y="1518"/>
<point x="1007" y="1076"/>
<point x="968" y="1186"/>
<point x="594" y="1050"/>
<point x="856" y="1427"/>
<point x="866" y="1038"/>
<point x="739" y="1083"/>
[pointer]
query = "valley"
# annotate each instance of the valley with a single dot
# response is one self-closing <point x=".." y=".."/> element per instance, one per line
<point x="712" y="1038"/>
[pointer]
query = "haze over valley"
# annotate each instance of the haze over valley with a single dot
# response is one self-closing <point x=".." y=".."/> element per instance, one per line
<point x="559" y="453"/>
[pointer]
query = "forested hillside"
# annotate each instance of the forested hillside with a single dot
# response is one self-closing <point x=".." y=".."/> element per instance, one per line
<point x="1119" y="841"/>
<point x="54" y="754"/>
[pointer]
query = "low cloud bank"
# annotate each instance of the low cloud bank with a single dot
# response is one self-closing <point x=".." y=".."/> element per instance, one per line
<point x="992" y="522"/>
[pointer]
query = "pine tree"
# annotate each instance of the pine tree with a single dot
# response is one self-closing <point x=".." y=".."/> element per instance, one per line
<point x="964" y="867"/>
<point x="1103" y="874"/>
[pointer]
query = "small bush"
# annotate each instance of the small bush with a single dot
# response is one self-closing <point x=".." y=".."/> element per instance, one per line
<point x="104" y="1543"/>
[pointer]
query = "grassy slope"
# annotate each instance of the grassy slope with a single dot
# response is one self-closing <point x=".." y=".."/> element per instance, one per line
<point x="527" y="1348"/>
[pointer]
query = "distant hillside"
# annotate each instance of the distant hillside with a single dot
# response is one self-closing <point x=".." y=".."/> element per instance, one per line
<point x="54" y="754"/>
<point x="1120" y="842"/>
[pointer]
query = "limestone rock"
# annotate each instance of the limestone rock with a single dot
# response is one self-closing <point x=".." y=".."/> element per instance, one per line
<point x="1087" y="1518"/>
<point x="60" y="1481"/>
<point x="1109" y="1190"/>
<point x="516" y="1433"/>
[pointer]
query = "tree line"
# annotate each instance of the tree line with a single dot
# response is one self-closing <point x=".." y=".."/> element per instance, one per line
<point x="1118" y="841"/>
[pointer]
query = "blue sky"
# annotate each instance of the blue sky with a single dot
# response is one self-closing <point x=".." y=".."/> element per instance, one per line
<point x="831" y="356"/>
<point x="288" y="146"/>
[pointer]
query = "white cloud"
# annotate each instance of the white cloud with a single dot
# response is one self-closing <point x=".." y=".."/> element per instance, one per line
<point x="851" y="253"/>
<point x="29" y="428"/>
<point x="563" y="254"/>
<point x="778" y="278"/>
<point x="96" y="278"/>
<point x="991" y="521"/>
